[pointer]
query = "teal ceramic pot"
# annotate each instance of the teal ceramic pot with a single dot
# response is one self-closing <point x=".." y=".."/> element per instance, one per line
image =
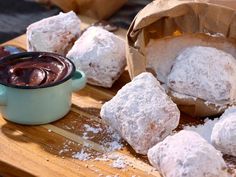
<point x="33" y="106"/>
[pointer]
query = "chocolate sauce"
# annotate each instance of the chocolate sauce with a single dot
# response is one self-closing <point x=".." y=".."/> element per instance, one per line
<point x="34" y="71"/>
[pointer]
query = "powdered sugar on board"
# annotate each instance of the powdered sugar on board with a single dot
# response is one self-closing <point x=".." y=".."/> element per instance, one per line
<point x="89" y="129"/>
<point x="109" y="143"/>
<point x="82" y="155"/>
<point x="118" y="161"/>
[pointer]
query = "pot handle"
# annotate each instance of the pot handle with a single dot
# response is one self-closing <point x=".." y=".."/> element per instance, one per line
<point x="78" y="80"/>
<point x="3" y="95"/>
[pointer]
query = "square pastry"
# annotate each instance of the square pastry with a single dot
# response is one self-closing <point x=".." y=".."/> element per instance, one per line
<point x="55" y="34"/>
<point x="142" y="113"/>
<point x="100" y="54"/>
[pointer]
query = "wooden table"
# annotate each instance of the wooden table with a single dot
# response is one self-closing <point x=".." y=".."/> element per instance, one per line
<point x="36" y="150"/>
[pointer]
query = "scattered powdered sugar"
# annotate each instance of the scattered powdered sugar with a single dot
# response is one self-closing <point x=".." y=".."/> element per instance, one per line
<point x="66" y="147"/>
<point x="89" y="128"/>
<point x="113" y="141"/>
<point x="82" y="155"/>
<point x="103" y="158"/>
<point x="109" y="142"/>
<point x="203" y="129"/>
<point x="119" y="163"/>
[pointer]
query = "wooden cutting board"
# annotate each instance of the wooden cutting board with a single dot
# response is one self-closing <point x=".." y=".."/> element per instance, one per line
<point x="47" y="150"/>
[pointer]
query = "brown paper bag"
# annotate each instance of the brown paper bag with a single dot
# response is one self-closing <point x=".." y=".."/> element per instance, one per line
<point x="97" y="9"/>
<point x="227" y="3"/>
<point x="181" y="20"/>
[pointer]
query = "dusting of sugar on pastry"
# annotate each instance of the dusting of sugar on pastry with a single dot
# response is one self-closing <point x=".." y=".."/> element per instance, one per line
<point x="100" y="54"/>
<point x="141" y="112"/>
<point x="54" y="34"/>
<point x="206" y="73"/>
<point x="187" y="154"/>
<point x="113" y="141"/>
<point x="223" y="135"/>
<point x="89" y="128"/>
<point x="82" y="155"/>
<point x="119" y="163"/>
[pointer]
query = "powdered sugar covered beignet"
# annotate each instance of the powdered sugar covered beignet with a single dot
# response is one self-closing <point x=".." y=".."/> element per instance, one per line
<point x="223" y="135"/>
<point x="54" y="34"/>
<point x="142" y="113"/>
<point x="206" y="73"/>
<point x="100" y="54"/>
<point x="187" y="154"/>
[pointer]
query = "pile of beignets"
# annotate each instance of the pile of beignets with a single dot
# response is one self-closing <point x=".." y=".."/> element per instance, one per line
<point x="146" y="117"/>
<point x="142" y="112"/>
<point x="97" y="52"/>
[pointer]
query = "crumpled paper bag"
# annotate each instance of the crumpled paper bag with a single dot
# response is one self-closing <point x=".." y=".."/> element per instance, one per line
<point x="191" y="22"/>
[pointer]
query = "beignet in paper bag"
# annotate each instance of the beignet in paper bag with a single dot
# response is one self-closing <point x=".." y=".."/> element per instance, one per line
<point x="190" y="46"/>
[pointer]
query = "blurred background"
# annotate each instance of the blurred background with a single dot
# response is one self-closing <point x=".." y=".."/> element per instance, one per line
<point x="16" y="15"/>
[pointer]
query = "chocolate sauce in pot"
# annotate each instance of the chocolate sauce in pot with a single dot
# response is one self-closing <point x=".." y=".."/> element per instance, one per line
<point x="40" y="70"/>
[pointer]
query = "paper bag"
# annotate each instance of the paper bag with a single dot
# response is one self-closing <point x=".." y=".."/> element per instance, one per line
<point x="227" y="3"/>
<point x="194" y="23"/>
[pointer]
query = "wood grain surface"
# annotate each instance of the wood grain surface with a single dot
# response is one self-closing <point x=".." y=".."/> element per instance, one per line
<point x="36" y="150"/>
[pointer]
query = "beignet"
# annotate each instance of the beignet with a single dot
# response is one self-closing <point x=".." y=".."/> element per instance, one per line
<point x="142" y="113"/>
<point x="55" y="34"/>
<point x="206" y="73"/>
<point x="187" y="154"/>
<point x="100" y="54"/>
<point x="223" y="135"/>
